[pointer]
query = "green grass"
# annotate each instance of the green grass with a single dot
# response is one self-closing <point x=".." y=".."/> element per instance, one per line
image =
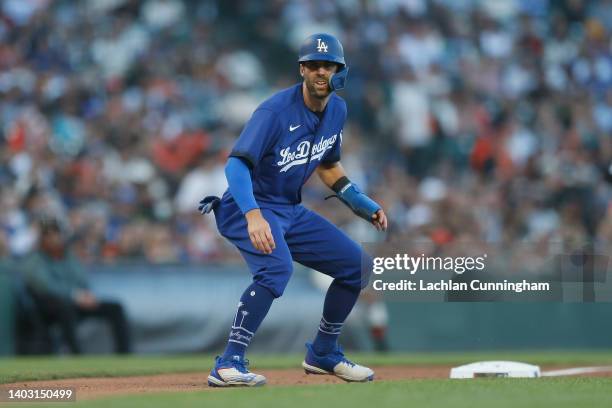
<point x="438" y="393"/>
<point x="497" y="393"/>
<point x="47" y="368"/>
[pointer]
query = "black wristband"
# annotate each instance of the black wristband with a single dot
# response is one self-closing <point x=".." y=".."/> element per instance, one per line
<point x="340" y="184"/>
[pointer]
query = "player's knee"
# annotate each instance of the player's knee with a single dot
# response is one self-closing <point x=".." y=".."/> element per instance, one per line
<point x="276" y="287"/>
<point x="355" y="281"/>
<point x="358" y="276"/>
<point x="275" y="278"/>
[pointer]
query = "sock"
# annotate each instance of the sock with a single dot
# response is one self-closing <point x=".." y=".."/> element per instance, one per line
<point x="339" y="302"/>
<point x="252" y="309"/>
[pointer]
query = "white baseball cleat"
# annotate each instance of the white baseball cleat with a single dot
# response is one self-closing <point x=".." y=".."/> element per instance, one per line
<point x="234" y="373"/>
<point x="335" y="363"/>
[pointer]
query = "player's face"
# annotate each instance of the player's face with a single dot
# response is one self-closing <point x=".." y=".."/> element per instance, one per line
<point x="316" y="77"/>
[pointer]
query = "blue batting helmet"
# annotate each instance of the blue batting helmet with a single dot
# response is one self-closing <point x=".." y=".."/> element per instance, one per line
<point x="326" y="47"/>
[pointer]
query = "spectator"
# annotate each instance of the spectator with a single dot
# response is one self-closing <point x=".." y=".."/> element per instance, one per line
<point x="61" y="292"/>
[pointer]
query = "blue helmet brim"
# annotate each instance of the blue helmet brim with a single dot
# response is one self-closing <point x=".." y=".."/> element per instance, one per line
<point x="322" y="57"/>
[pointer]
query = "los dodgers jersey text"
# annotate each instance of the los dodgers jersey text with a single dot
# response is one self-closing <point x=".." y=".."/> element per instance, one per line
<point x="284" y="142"/>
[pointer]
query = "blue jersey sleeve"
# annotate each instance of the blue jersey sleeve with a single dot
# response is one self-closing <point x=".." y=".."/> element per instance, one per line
<point x="240" y="184"/>
<point x="257" y="137"/>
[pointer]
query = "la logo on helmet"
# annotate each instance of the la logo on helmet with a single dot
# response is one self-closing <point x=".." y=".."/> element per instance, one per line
<point x="321" y="46"/>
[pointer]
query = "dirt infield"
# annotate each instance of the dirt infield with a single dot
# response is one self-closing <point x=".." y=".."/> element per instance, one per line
<point x="91" y="388"/>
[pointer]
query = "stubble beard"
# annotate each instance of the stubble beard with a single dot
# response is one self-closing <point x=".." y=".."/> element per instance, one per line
<point x="314" y="92"/>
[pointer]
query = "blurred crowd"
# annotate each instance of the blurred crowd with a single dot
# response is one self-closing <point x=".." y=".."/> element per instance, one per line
<point x="468" y="119"/>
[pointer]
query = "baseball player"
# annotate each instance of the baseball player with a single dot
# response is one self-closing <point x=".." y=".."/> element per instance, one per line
<point x="296" y="132"/>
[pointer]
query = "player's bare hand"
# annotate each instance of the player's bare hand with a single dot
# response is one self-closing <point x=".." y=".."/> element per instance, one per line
<point x="260" y="232"/>
<point x="379" y="219"/>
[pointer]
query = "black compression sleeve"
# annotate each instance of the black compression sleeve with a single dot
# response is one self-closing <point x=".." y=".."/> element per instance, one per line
<point x="340" y="184"/>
